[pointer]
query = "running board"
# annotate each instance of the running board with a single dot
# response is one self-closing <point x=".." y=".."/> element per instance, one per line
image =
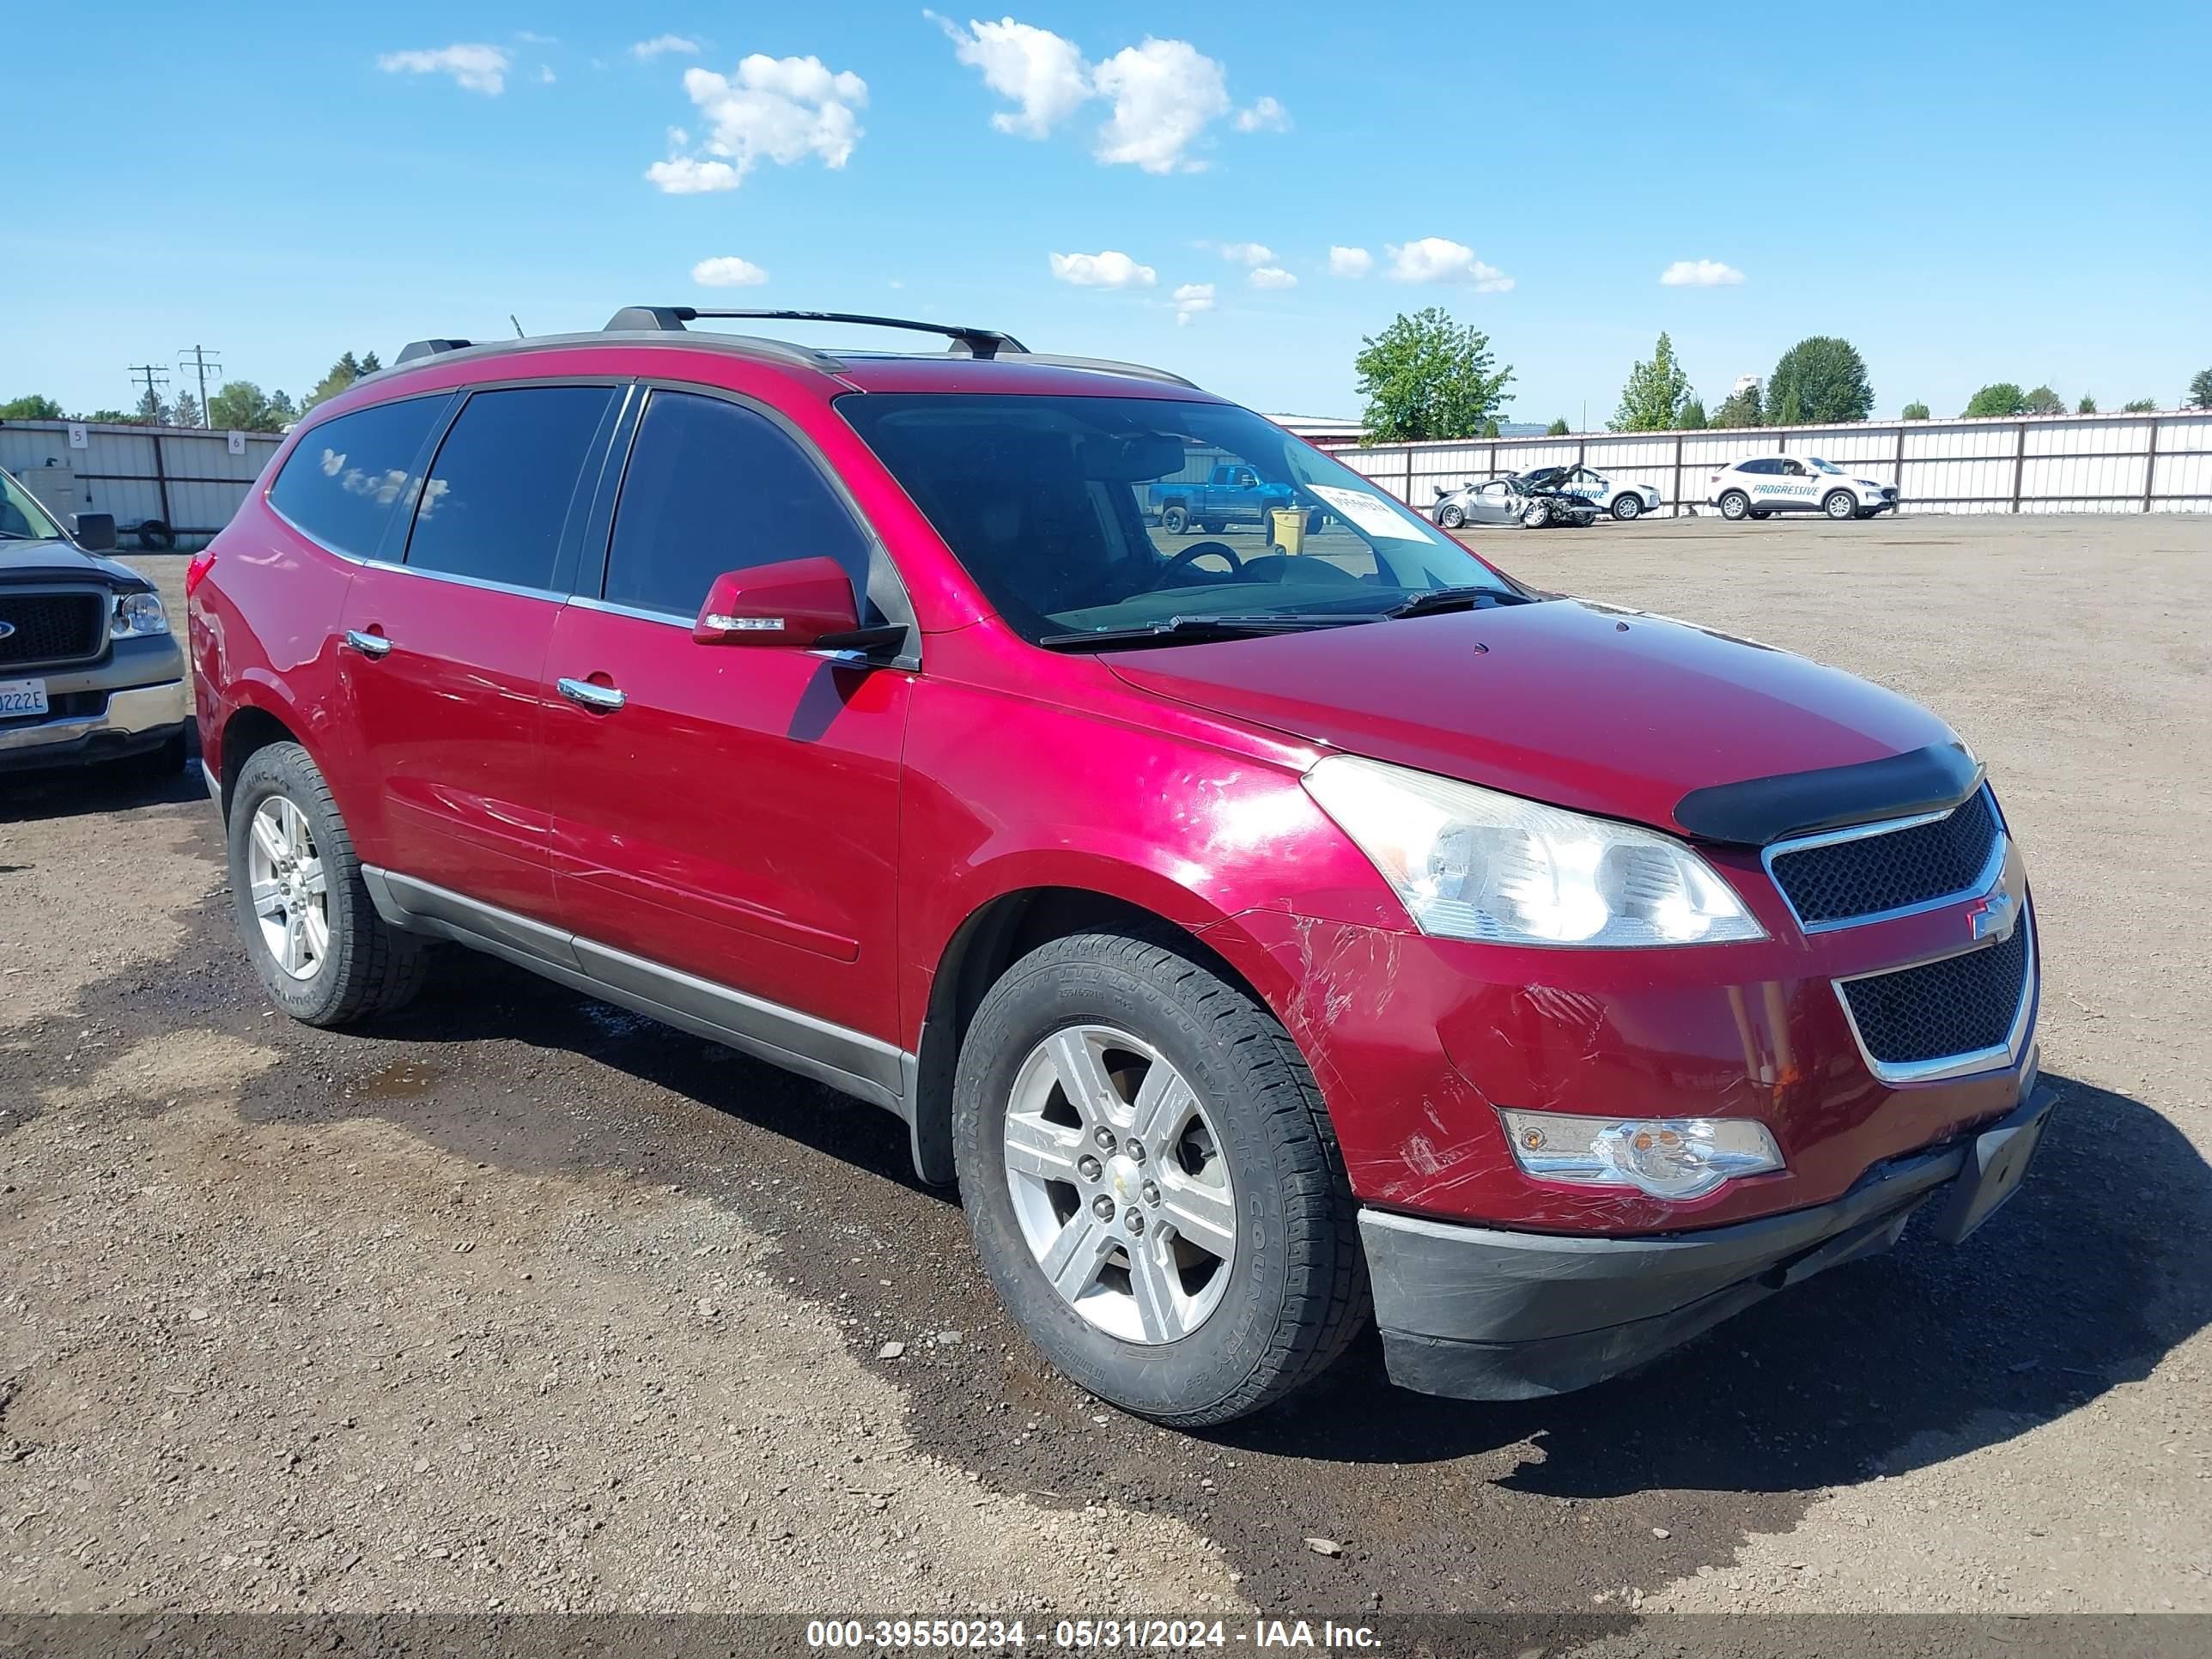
<point x="853" y="1061"/>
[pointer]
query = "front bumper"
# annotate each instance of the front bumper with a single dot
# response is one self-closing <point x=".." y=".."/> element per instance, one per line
<point x="1481" y="1314"/>
<point x="135" y="719"/>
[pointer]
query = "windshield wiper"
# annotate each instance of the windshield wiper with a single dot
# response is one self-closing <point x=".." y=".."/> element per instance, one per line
<point x="1456" y="598"/>
<point x="1198" y="627"/>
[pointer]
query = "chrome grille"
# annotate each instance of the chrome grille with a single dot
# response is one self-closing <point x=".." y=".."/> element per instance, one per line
<point x="1962" y="1005"/>
<point x="52" y="627"/>
<point x="1829" y="880"/>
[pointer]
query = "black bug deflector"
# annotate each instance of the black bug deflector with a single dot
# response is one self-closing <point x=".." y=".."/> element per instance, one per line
<point x="1762" y="810"/>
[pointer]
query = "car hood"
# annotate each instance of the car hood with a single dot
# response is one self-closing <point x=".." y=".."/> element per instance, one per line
<point x="51" y="559"/>
<point x="1585" y="706"/>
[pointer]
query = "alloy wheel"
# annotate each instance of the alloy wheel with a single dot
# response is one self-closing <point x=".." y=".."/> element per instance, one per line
<point x="1119" y="1184"/>
<point x="290" y="892"/>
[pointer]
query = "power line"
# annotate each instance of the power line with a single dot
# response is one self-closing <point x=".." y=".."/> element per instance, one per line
<point x="200" y="365"/>
<point x="153" y="374"/>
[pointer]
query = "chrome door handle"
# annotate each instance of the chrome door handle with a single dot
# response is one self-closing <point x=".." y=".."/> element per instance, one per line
<point x="369" y="645"/>
<point x="603" y="698"/>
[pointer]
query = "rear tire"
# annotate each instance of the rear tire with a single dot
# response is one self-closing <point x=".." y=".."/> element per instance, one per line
<point x="1238" y="1117"/>
<point x="1840" y="505"/>
<point x="1451" y="518"/>
<point x="1735" y="506"/>
<point x="348" y="963"/>
<point x="1176" y="521"/>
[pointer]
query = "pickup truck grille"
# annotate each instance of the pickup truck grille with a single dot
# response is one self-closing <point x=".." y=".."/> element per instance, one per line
<point x="52" y="628"/>
<point x="1871" y="875"/>
<point x="1962" y="1005"/>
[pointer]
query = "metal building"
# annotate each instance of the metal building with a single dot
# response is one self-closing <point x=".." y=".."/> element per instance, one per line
<point x="168" y="486"/>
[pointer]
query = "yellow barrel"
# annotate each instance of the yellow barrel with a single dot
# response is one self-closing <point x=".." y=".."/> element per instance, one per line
<point x="1290" y="528"/>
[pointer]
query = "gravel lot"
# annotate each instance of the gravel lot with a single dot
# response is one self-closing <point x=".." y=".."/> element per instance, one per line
<point x="519" y="1301"/>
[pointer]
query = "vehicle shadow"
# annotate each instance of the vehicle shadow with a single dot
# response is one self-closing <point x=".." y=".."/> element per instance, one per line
<point x="82" y="791"/>
<point x="2098" y="1268"/>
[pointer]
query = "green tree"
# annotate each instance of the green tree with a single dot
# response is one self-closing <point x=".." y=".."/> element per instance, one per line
<point x="2087" y="406"/>
<point x="153" y="409"/>
<point x="187" y="411"/>
<point x="1694" y="414"/>
<point x="113" y="416"/>
<point x="2000" y="397"/>
<point x="1652" y="399"/>
<point x="1789" y="408"/>
<point x="2139" y="406"/>
<point x="1828" y="378"/>
<point x="242" y="406"/>
<point x="1490" y="427"/>
<point x="1741" y="408"/>
<point x="2043" y="401"/>
<point x="2200" y="390"/>
<point x="1425" y="376"/>
<point x="1916" y="411"/>
<point x="33" y="407"/>
<point x="343" y="372"/>
<point x="1558" y="429"/>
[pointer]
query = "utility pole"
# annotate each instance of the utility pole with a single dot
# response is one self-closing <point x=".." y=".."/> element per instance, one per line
<point x="155" y="375"/>
<point x="199" y="363"/>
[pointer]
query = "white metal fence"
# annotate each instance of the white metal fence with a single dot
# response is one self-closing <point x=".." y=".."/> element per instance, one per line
<point x="168" y="486"/>
<point x="2157" y="463"/>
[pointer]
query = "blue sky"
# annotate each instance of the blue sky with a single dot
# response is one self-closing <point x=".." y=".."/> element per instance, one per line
<point x="1969" y="192"/>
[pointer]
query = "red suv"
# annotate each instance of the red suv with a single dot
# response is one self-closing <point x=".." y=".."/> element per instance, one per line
<point x="1268" y="932"/>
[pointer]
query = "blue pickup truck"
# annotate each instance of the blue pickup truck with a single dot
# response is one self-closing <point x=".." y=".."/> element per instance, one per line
<point x="1233" y="494"/>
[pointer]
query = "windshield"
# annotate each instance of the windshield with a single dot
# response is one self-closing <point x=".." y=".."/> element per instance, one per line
<point x="1814" y="460"/>
<point x="21" y="518"/>
<point x="1079" y="515"/>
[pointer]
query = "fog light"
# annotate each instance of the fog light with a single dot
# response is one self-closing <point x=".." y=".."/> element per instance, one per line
<point x="1665" y="1157"/>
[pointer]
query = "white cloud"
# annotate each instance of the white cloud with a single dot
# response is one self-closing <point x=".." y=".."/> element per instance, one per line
<point x="1350" y="261"/>
<point x="686" y="176"/>
<point x="1247" y="253"/>
<point x="783" y="108"/>
<point x="728" y="272"/>
<point x="1164" y="93"/>
<point x="474" y="68"/>
<point x="1041" y="71"/>
<point x="1272" y="276"/>
<point x="1700" y="273"/>
<point x="682" y="45"/>
<point x="1434" y="259"/>
<point x="1191" y="299"/>
<point x="1108" y="269"/>
<point x="1265" y="116"/>
<point x="545" y="74"/>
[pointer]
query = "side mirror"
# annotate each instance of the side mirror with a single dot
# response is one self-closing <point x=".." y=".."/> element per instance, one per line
<point x="94" y="532"/>
<point x="794" y="602"/>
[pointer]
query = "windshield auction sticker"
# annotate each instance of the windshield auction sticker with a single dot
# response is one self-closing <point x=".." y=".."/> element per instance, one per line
<point x="1363" y="512"/>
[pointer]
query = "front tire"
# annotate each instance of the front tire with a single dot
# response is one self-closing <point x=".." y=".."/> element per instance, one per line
<point x="325" y="956"/>
<point x="1840" y="505"/>
<point x="1151" y="1183"/>
<point x="1735" y="506"/>
<point x="1536" y="515"/>
<point x="1628" y="507"/>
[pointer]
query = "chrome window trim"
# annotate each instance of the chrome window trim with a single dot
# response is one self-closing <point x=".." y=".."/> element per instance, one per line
<point x="636" y="613"/>
<point x="1983" y="880"/>
<point x="1943" y="1066"/>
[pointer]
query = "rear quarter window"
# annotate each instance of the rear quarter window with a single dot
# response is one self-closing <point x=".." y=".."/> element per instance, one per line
<point x="347" y="479"/>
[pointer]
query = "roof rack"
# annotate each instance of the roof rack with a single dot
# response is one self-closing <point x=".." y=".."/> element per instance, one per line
<point x="418" y="349"/>
<point x="976" y="342"/>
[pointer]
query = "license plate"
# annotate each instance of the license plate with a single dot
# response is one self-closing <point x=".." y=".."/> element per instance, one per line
<point x="21" y="697"/>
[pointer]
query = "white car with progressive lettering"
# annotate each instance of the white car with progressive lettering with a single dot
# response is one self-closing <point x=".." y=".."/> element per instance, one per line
<point x="1623" y="500"/>
<point x="1764" y="485"/>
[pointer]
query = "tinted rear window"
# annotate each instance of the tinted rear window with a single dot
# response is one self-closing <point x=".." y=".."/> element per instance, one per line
<point x="349" y="478"/>
<point x="498" y="494"/>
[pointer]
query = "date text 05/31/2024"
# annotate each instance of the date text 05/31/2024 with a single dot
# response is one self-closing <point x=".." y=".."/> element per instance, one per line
<point x="1084" y="1635"/>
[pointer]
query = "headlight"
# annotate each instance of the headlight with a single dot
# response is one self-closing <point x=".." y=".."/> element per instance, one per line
<point x="1474" y="863"/>
<point x="1667" y="1157"/>
<point x="137" y="614"/>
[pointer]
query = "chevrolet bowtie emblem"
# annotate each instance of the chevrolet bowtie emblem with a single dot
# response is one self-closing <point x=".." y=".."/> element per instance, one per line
<point x="1992" y="915"/>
